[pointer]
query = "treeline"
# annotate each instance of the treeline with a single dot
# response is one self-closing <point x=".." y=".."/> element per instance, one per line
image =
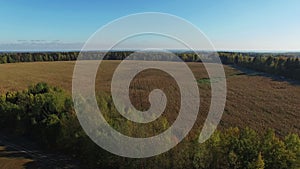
<point x="279" y="65"/>
<point x="46" y="115"/>
<point x="226" y="57"/>
<point x="287" y="65"/>
<point x="12" y="57"/>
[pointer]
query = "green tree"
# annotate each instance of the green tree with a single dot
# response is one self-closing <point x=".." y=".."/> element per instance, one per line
<point x="292" y="143"/>
<point x="259" y="164"/>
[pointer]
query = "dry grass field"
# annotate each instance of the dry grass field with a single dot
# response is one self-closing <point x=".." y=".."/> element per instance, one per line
<point x="253" y="100"/>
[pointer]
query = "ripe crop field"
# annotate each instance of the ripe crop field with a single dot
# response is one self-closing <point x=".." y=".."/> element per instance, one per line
<point x="253" y="99"/>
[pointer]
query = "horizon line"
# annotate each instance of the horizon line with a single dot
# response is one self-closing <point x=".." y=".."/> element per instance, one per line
<point x="182" y="50"/>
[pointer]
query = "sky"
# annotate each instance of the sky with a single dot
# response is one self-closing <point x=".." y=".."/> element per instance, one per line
<point x="230" y="25"/>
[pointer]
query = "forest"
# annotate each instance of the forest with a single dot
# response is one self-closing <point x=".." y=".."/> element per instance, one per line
<point x="285" y="66"/>
<point x="46" y="115"/>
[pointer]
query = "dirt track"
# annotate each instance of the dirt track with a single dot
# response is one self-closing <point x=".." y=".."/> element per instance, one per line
<point x="18" y="153"/>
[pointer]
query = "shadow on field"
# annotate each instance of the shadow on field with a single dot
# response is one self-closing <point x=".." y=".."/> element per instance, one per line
<point x="8" y="152"/>
<point x="250" y="72"/>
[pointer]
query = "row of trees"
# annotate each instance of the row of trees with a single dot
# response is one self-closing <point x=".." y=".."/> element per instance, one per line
<point x="67" y="56"/>
<point x="37" y="57"/>
<point x="280" y="65"/>
<point x="46" y="114"/>
<point x="188" y="56"/>
<point x="287" y="65"/>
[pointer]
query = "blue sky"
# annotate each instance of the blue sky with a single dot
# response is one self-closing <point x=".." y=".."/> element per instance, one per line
<point x="230" y="25"/>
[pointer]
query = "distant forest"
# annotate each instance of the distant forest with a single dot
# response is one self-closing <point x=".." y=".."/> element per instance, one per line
<point x="282" y="64"/>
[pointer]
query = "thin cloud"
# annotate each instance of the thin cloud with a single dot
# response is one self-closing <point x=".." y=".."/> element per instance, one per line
<point x="40" y="45"/>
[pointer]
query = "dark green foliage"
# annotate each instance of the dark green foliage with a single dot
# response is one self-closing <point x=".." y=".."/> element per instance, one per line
<point x="236" y="148"/>
<point x="35" y="112"/>
<point x="45" y="114"/>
